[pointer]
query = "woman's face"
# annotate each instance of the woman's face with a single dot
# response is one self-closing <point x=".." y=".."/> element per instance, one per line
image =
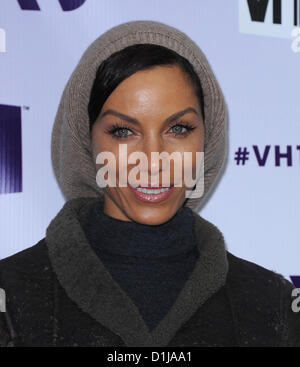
<point x="145" y="113"/>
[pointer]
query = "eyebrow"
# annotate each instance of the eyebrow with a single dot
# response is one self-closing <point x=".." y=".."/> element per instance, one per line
<point x="171" y="118"/>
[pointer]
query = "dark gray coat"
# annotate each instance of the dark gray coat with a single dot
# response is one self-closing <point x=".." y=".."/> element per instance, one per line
<point x="60" y="294"/>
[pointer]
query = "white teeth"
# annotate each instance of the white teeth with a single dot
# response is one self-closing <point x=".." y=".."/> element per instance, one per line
<point x="151" y="191"/>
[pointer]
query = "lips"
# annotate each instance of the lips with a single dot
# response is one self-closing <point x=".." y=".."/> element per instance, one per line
<point x="152" y="197"/>
<point x="154" y="187"/>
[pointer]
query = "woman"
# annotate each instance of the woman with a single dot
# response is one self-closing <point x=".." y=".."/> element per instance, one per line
<point x="124" y="266"/>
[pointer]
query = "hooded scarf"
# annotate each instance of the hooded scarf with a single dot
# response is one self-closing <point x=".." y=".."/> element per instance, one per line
<point x="72" y="159"/>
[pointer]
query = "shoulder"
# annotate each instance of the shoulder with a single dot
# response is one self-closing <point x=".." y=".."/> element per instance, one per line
<point x="26" y="279"/>
<point x="241" y="268"/>
<point x="256" y="280"/>
<point x="33" y="260"/>
<point x="265" y="297"/>
<point x="26" y="272"/>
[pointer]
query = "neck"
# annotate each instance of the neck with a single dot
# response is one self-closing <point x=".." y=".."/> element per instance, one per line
<point x="129" y="238"/>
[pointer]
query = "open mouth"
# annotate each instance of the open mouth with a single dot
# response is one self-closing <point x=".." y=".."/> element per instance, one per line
<point x="151" y="194"/>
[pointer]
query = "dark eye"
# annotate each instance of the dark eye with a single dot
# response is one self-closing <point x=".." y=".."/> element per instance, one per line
<point x="122" y="132"/>
<point x="177" y="129"/>
<point x="181" y="129"/>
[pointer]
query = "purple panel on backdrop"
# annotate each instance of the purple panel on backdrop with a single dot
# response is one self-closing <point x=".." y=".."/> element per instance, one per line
<point x="68" y="5"/>
<point x="296" y="280"/>
<point x="29" y="5"/>
<point x="10" y="149"/>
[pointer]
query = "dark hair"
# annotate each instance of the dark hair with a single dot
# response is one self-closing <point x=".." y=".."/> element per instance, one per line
<point x="121" y="64"/>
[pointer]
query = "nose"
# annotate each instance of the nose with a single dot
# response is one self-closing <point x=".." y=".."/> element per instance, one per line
<point x="152" y="146"/>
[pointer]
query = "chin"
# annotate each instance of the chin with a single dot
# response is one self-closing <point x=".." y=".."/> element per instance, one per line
<point x="153" y="216"/>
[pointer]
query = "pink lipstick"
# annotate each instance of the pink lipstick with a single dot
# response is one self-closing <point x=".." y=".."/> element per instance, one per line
<point x="151" y="195"/>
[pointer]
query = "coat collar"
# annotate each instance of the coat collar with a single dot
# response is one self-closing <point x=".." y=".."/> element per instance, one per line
<point x="89" y="284"/>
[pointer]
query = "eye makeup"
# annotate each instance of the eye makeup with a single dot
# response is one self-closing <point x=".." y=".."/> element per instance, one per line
<point x="120" y="130"/>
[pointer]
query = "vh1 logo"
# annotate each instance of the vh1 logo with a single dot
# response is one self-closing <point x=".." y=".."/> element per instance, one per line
<point x="10" y="149"/>
<point x="66" y="5"/>
<point x="275" y="18"/>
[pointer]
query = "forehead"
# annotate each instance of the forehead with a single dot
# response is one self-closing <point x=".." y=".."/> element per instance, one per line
<point x="161" y="87"/>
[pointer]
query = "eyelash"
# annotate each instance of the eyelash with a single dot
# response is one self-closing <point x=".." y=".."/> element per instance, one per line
<point x="119" y="126"/>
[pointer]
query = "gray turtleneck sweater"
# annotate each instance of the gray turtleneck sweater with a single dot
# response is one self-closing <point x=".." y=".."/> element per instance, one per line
<point x="150" y="263"/>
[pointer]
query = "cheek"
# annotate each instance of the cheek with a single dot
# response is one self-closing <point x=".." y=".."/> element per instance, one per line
<point x="104" y="157"/>
<point x="111" y="159"/>
<point x="101" y="143"/>
<point x="192" y="161"/>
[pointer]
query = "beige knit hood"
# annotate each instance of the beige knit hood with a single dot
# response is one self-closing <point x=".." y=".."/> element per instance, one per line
<point x="72" y="160"/>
